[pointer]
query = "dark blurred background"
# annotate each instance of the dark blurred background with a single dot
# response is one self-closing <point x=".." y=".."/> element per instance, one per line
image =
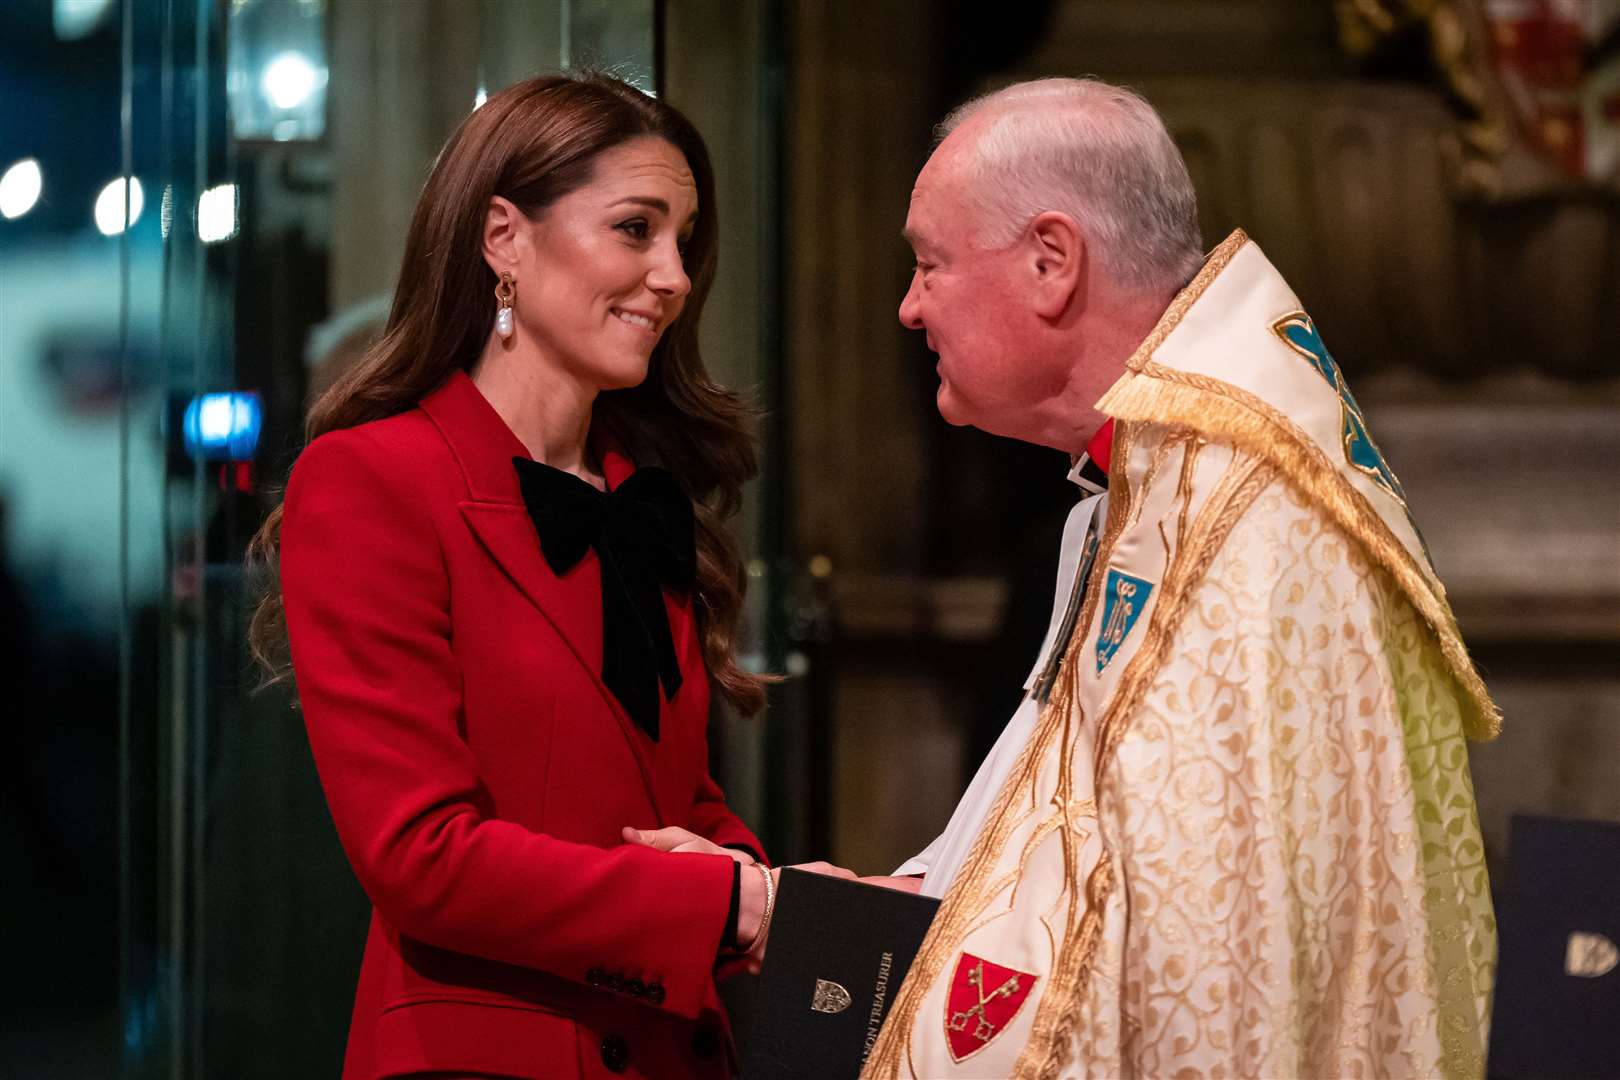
<point x="1439" y="179"/>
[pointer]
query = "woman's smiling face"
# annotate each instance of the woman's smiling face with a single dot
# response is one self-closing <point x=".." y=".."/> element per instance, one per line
<point x="603" y="275"/>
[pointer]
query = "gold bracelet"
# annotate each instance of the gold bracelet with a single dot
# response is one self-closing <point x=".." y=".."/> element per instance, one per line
<point x="770" y="905"/>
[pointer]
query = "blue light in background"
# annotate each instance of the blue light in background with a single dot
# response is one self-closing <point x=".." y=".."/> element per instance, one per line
<point x="223" y="427"/>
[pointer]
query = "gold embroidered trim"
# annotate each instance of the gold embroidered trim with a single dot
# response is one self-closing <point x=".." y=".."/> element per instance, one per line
<point x="968" y="894"/>
<point x="1168" y="445"/>
<point x="1186" y="298"/>
<point x="1161" y="394"/>
<point x="1051" y="1041"/>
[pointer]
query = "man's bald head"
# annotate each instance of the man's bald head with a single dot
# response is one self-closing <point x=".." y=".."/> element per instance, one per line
<point x="1096" y="152"/>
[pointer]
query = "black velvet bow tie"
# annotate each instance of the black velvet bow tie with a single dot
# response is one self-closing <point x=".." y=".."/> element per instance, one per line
<point x="643" y="535"/>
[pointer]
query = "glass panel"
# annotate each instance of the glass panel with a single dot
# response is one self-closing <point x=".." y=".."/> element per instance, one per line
<point x="182" y="505"/>
<point x="61" y="563"/>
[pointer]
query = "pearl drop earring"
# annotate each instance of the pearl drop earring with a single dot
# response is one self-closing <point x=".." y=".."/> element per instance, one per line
<point x="505" y="292"/>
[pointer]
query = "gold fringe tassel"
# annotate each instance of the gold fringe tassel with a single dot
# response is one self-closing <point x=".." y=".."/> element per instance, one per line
<point x="1158" y="394"/>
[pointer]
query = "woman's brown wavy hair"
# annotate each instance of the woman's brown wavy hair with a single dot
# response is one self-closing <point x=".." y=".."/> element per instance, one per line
<point x="533" y="143"/>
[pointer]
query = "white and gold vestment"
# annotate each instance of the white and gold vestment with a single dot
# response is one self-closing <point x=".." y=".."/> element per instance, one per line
<point x="1241" y="839"/>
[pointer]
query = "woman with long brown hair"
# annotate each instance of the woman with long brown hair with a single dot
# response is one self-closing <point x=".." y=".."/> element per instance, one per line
<point x="508" y="592"/>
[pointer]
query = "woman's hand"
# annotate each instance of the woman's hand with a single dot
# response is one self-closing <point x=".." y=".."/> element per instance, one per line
<point x="751" y="935"/>
<point x="681" y="841"/>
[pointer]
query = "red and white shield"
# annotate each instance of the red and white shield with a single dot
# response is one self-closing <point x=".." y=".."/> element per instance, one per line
<point x="983" y="1000"/>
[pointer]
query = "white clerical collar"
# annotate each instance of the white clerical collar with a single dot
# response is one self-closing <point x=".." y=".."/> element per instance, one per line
<point x="1090" y="470"/>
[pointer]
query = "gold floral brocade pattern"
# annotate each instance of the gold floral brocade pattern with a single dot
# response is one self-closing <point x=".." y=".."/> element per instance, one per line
<point x="1300" y="890"/>
<point x="1457" y="893"/>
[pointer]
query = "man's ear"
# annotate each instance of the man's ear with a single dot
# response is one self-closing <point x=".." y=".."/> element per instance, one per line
<point x="1057" y="253"/>
<point x="505" y="234"/>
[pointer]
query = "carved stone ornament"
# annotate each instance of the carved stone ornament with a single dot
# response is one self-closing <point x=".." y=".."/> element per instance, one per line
<point x="1535" y="85"/>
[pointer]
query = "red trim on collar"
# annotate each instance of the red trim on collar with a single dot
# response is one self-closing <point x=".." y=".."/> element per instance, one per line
<point x="1101" y="446"/>
<point x="616" y="464"/>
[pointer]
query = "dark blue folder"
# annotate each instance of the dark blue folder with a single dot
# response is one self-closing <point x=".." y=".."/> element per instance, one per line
<point x="837" y="954"/>
<point x="1557" y="1011"/>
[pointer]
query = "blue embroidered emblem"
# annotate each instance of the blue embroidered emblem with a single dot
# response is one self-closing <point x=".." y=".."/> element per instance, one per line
<point x="1299" y="333"/>
<point x="1124" y="597"/>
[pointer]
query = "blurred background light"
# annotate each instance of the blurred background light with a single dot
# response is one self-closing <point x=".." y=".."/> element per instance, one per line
<point x="223" y="427"/>
<point x="216" y="214"/>
<point x="20" y="188"/>
<point x="75" y="19"/>
<point x="276" y="71"/>
<point x="110" y="206"/>
<point x="289" y="79"/>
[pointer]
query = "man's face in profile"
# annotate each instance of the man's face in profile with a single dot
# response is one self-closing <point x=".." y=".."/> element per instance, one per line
<point x="966" y="299"/>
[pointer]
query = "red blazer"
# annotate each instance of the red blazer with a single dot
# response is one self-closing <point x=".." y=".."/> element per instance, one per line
<point x="479" y="772"/>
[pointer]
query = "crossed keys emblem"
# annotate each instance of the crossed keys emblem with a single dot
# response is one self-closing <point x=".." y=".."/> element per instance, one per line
<point x="977" y="1011"/>
<point x="982" y="1028"/>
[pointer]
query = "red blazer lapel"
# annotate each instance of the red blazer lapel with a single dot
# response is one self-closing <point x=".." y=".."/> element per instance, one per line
<point x="495" y="513"/>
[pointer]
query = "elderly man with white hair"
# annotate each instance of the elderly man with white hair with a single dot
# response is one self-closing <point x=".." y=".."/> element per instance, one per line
<point x="1230" y="831"/>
